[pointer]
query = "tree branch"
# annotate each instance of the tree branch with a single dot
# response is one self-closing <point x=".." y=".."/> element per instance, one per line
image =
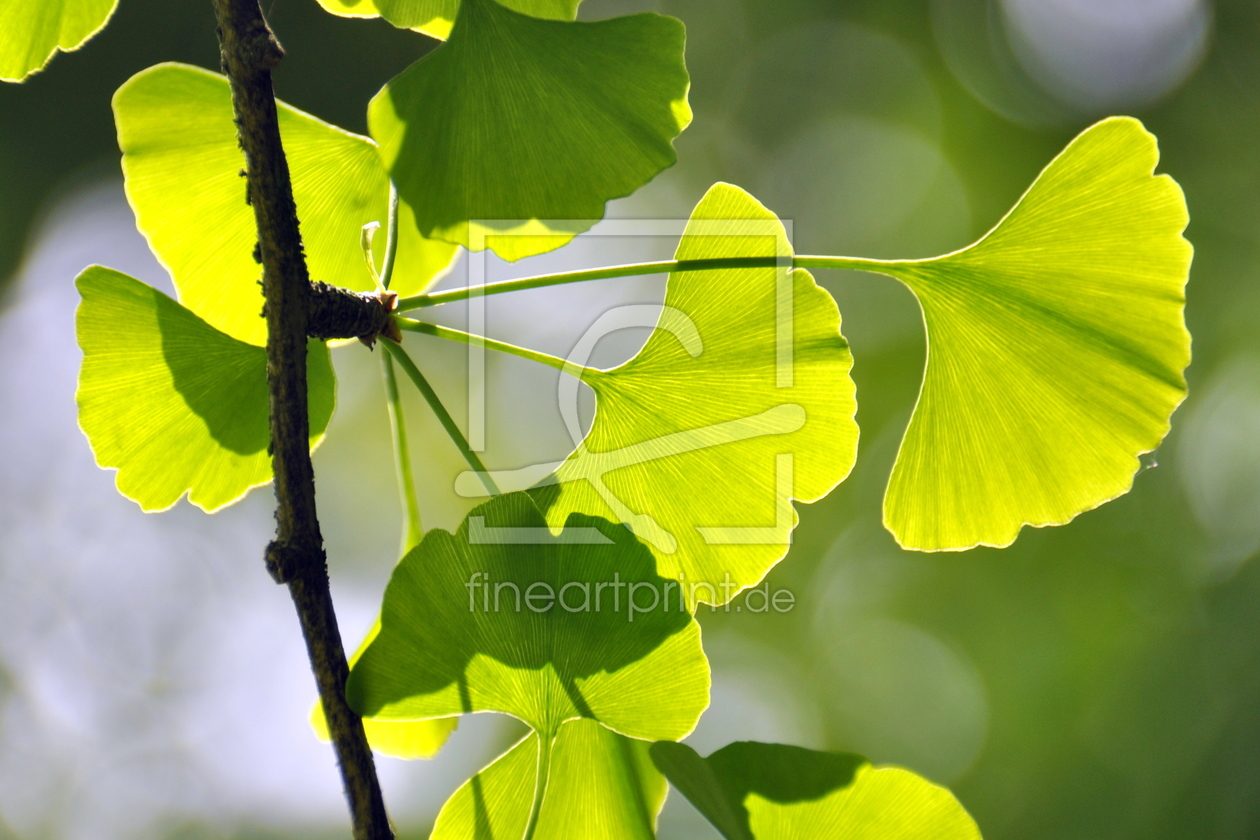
<point x="296" y="556"/>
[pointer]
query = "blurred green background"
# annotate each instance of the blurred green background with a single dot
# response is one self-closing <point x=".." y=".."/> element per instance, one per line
<point x="1098" y="680"/>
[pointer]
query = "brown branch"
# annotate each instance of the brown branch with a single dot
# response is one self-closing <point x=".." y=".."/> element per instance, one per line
<point x="296" y="556"/>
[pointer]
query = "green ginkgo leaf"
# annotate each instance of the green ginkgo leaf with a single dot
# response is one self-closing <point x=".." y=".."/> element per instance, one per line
<point x="173" y="404"/>
<point x="503" y="616"/>
<point x="753" y="791"/>
<point x="32" y="31"/>
<point x="601" y="786"/>
<point x="1056" y="350"/>
<point x="436" y="17"/>
<point x="542" y="123"/>
<point x="739" y="402"/>
<point x="183" y="177"/>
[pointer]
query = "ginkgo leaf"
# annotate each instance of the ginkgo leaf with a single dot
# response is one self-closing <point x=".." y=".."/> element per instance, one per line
<point x="1056" y="350"/>
<point x="32" y="31"/>
<point x="503" y="616"/>
<point x="173" y="404"/>
<point x="739" y="402"/>
<point x="183" y="177"/>
<point x="436" y="17"/>
<point x="601" y="786"/>
<point x="754" y="791"/>
<point x="542" y="123"/>
<point x="407" y="739"/>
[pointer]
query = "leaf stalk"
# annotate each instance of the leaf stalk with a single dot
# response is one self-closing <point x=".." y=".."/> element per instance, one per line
<point x="413" y="528"/>
<point x="391" y="238"/>
<point x="450" y="334"/>
<point x="444" y="416"/>
<point x="637" y="269"/>
<point x="545" y="741"/>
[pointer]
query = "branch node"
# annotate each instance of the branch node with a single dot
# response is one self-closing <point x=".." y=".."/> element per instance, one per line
<point x="286" y="563"/>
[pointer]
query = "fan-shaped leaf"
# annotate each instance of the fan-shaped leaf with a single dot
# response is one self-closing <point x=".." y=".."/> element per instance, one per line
<point x="753" y="791"/>
<point x="435" y="17"/>
<point x="32" y="31"/>
<point x="542" y="123"/>
<point x="1056" y="348"/>
<point x="182" y="166"/>
<point x="601" y="786"/>
<point x="172" y="403"/>
<point x="467" y="625"/>
<point x="739" y="402"/>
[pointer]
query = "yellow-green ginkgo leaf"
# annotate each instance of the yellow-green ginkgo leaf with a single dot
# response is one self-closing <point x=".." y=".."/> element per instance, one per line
<point x="183" y="177"/>
<point x="542" y="123"/>
<point x="600" y="786"/>
<point x="739" y="402"/>
<point x="171" y="403"/>
<point x="754" y="791"/>
<point x="505" y="616"/>
<point x="436" y="17"/>
<point x="31" y="31"/>
<point x="1056" y="350"/>
<point x="407" y="739"/>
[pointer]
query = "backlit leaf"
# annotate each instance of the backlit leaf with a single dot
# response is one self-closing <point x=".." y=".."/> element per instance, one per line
<point x="542" y="123"/>
<point x="1056" y="350"/>
<point x="467" y="626"/>
<point x="739" y="402"/>
<point x="754" y="791"/>
<point x="435" y="17"/>
<point x="31" y="31"/>
<point x="602" y="786"/>
<point x="172" y="403"/>
<point x="182" y="166"/>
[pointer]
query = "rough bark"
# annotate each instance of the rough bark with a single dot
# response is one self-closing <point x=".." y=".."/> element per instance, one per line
<point x="296" y="556"/>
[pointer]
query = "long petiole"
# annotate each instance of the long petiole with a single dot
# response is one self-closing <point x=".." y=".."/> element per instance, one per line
<point x="413" y="530"/>
<point x="444" y="416"/>
<point x="540" y="782"/>
<point x="635" y="269"/>
<point x="502" y="346"/>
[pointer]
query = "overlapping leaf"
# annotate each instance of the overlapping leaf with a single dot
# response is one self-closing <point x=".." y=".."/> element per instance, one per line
<point x="1056" y="350"/>
<point x="739" y="402"/>
<point x="32" y="31"/>
<point x="436" y="17"/>
<point x="172" y="403"/>
<point x="466" y="626"/>
<point x="542" y="123"/>
<point x="601" y="786"/>
<point x="182" y="166"/>
<point x="754" y="791"/>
